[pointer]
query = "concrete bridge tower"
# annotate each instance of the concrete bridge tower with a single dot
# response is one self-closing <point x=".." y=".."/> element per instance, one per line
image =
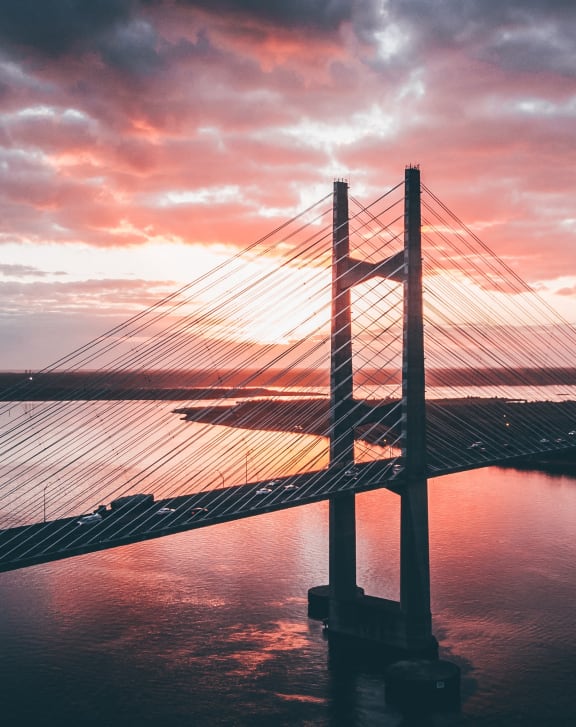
<point x="404" y="626"/>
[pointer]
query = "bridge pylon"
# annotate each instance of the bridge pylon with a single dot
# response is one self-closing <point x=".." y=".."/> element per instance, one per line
<point x="400" y="627"/>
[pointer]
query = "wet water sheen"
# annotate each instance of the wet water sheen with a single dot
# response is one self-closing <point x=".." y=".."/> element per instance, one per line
<point x="210" y="628"/>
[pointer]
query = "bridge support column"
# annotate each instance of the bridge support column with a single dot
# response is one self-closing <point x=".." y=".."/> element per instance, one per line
<point x="342" y="525"/>
<point x="332" y="600"/>
<point x="414" y="541"/>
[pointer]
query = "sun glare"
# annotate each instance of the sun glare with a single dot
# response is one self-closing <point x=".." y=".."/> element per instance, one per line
<point x="262" y="301"/>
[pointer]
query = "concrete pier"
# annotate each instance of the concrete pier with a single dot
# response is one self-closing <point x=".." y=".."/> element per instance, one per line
<point x="375" y="624"/>
<point x="423" y="685"/>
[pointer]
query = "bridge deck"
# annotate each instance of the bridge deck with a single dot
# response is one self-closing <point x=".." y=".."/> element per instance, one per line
<point x="58" y="539"/>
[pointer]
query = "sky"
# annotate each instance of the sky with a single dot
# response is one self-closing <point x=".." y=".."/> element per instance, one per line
<point x="141" y="140"/>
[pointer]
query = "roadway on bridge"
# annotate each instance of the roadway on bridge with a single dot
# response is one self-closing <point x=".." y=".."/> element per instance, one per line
<point x="66" y="537"/>
<point x="54" y="540"/>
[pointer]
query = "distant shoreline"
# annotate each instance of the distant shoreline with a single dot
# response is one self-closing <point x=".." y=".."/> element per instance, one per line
<point x="51" y="393"/>
<point x="300" y="409"/>
<point x="180" y="381"/>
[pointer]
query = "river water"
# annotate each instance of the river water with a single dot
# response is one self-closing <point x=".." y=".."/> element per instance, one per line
<point x="210" y="628"/>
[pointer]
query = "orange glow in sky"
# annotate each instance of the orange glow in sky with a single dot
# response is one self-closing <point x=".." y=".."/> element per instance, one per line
<point x="138" y="141"/>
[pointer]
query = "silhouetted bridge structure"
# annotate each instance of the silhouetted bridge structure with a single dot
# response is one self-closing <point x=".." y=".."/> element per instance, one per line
<point x="391" y="437"/>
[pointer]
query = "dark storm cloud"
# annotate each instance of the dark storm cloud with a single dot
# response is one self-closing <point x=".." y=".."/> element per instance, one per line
<point x="317" y="14"/>
<point x="55" y="27"/>
<point x="125" y="34"/>
<point x="120" y="32"/>
<point x="132" y="48"/>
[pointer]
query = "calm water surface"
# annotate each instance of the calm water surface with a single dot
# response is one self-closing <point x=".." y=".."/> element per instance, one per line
<point x="210" y="628"/>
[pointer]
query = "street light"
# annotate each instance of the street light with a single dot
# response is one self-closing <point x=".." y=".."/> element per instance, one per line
<point x="222" y="476"/>
<point x="249" y="451"/>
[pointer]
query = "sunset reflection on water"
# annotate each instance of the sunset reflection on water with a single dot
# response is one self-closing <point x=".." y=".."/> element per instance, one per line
<point x="210" y="627"/>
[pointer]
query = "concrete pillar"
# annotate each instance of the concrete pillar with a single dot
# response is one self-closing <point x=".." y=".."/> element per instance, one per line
<point x="342" y="557"/>
<point x="414" y="547"/>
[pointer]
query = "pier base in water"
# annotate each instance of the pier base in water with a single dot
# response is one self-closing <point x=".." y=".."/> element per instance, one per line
<point x="416" y="680"/>
<point x="375" y="623"/>
<point x="422" y="685"/>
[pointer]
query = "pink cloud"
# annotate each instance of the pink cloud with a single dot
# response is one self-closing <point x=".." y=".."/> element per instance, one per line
<point x="570" y="292"/>
<point x="188" y="120"/>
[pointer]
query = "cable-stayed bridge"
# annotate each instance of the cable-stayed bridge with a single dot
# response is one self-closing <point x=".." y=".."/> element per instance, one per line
<point x="354" y="347"/>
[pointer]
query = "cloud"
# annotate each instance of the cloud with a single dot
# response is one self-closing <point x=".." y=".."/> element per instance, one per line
<point x="24" y="271"/>
<point x="451" y="22"/>
<point x="123" y="35"/>
<point x="569" y="292"/>
<point x="126" y="122"/>
<point x="82" y="297"/>
<point x="321" y="15"/>
<point x="132" y="48"/>
<point x="518" y="35"/>
<point x="56" y="27"/>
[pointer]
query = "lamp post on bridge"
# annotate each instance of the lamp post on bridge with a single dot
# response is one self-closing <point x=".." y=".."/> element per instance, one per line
<point x="248" y="451"/>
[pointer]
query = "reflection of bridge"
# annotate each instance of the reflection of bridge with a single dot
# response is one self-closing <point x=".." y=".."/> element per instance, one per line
<point x="50" y="454"/>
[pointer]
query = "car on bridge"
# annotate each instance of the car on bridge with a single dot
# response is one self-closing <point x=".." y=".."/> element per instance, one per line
<point x="90" y="519"/>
